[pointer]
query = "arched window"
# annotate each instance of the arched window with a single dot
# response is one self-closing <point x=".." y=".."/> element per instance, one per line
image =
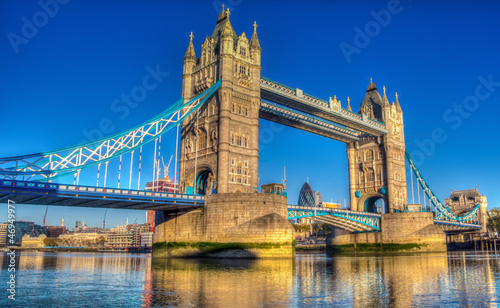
<point x="368" y="155"/>
<point x="358" y="159"/>
<point x="379" y="175"/>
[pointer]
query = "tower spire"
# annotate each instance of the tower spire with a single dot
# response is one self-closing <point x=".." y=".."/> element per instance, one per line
<point x="190" y="53"/>
<point x="254" y="41"/>
<point x="385" y="100"/>
<point x="349" y="104"/>
<point x="398" y="106"/>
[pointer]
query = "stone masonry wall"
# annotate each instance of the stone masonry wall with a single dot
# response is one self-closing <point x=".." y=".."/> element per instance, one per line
<point x="398" y="228"/>
<point x="256" y="220"/>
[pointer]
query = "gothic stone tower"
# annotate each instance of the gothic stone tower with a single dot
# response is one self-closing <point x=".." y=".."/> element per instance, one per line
<point x="219" y="145"/>
<point x="377" y="164"/>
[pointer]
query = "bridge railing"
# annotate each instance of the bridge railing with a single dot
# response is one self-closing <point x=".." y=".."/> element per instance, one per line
<point x="95" y="190"/>
<point x="332" y="210"/>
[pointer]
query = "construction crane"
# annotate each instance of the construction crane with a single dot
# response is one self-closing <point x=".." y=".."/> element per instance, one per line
<point x="165" y="167"/>
<point x="104" y="220"/>
<point x="45" y="216"/>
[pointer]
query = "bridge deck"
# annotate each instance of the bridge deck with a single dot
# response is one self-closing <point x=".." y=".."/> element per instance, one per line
<point x="29" y="192"/>
<point x="284" y="95"/>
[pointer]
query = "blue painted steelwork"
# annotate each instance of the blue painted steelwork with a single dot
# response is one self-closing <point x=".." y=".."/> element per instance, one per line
<point x="309" y="121"/>
<point x="345" y="219"/>
<point x="40" y="193"/>
<point x="70" y="160"/>
<point x="443" y="212"/>
<point x="269" y="86"/>
<point x="457" y="224"/>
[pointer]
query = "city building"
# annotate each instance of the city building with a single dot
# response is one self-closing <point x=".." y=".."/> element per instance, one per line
<point x="3" y="234"/>
<point x="147" y="239"/>
<point x="122" y="239"/>
<point x="318" y="198"/>
<point x="22" y="228"/>
<point x="79" y="226"/>
<point x="55" y="231"/>
<point x="33" y="241"/>
<point x="137" y="230"/>
<point x="462" y="201"/>
<point x="306" y="196"/>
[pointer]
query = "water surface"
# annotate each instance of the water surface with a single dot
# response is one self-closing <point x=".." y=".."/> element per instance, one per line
<point x="469" y="279"/>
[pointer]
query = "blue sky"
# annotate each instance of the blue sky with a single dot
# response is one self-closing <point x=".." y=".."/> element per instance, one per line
<point x="60" y="77"/>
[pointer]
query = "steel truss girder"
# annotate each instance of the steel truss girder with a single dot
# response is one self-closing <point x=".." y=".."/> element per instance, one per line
<point x="349" y="220"/>
<point x="292" y="118"/>
<point x="287" y="96"/>
<point x="72" y="160"/>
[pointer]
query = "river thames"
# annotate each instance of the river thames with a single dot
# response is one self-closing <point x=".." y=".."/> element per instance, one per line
<point x="451" y="279"/>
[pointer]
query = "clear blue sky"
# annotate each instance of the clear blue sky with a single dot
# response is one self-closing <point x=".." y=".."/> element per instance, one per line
<point x="59" y="80"/>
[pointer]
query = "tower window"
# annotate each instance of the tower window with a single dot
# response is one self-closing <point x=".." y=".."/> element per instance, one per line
<point x="369" y="176"/>
<point x="369" y="155"/>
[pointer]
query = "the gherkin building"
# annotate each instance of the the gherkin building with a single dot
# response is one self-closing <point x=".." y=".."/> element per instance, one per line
<point x="306" y="196"/>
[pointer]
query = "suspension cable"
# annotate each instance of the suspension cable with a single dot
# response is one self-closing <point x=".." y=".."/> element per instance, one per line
<point x="196" y="154"/>
<point x="119" y="171"/>
<point x="176" y="151"/>
<point x="154" y="164"/>
<point x="105" y="172"/>
<point x="140" y="161"/>
<point x="130" y="176"/>
<point x="98" y="169"/>
<point x="412" y="193"/>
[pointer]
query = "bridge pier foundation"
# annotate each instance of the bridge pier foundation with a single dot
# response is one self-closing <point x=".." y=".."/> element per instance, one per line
<point x="235" y="225"/>
<point x="413" y="231"/>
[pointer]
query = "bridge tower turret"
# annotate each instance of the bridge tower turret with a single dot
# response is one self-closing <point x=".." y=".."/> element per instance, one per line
<point x="219" y="145"/>
<point x="377" y="163"/>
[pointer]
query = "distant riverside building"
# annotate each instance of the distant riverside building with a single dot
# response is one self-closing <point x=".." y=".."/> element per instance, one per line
<point x="55" y="231"/>
<point x="79" y="225"/>
<point x="123" y="239"/>
<point x="28" y="241"/>
<point x="147" y="239"/>
<point x="462" y="201"/>
<point x="318" y="198"/>
<point x="3" y="234"/>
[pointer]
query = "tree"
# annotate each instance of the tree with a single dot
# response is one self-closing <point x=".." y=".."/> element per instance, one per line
<point x="327" y="229"/>
<point x="494" y="219"/>
<point x="51" y="241"/>
<point x="316" y="228"/>
<point x="100" y="240"/>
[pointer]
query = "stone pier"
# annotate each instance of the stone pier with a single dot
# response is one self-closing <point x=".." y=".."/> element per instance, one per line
<point x="232" y="225"/>
<point x="413" y="231"/>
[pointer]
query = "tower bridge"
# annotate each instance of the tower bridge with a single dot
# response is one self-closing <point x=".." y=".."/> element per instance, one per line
<point x="223" y="98"/>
